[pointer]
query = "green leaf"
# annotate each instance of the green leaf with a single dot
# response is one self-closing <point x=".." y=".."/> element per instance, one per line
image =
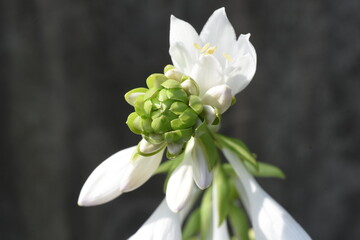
<point x="237" y="147"/>
<point x="192" y="225"/>
<point x="239" y="222"/>
<point x="205" y="213"/>
<point x="155" y="80"/>
<point x="222" y="189"/>
<point x="265" y="170"/>
<point x="204" y="139"/>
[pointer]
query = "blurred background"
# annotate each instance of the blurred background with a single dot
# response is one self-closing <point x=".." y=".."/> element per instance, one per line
<point x="67" y="64"/>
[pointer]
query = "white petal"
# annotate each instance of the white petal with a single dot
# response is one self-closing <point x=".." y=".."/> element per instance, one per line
<point x="244" y="65"/>
<point x="103" y="183"/>
<point x="163" y="224"/>
<point x="219" y="96"/>
<point x="182" y="32"/>
<point x="182" y="59"/>
<point x="269" y="219"/>
<point x="139" y="171"/>
<point x="201" y="174"/>
<point x="219" y="32"/>
<point x="180" y="184"/>
<point x="207" y="73"/>
<point x="218" y="233"/>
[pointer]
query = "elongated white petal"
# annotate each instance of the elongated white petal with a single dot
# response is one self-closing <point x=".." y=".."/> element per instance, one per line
<point x="219" y="32"/>
<point x="139" y="170"/>
<point x="269" y="219"/>
<point x="201" y="174"/>
<point x="163" y="224"/>
<point x="180" y="184"/>
<point x="207" y="73"/>
<point x="182" y="59"/>
<point x="244" y="65"/>
<point x="183" y="32"/>
<point x="103" y="183"/>
<point x="218" y="232"/>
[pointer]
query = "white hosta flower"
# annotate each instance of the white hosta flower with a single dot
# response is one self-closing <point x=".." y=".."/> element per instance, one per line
<point x="270" y="221"/>
<point x="192" y="168"/>
<point x="215" y="57"/>
<point x="163" y="224"/>
<point x="121" y="172"/>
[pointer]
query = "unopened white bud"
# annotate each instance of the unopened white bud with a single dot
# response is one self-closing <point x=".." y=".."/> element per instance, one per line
<point x="146" y="148"/>
<point x="174" y="74"/>
<point x="209" y="114"/>
<point x="219" y="97"/>
<point x="190" y="87"/>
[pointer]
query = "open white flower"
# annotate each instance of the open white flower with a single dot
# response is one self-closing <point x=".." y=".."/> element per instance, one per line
<point x="215" y="57"/>
<point x="269" y="219"/>
<point x="121" y="172"/>
<point x="162" y="224"/>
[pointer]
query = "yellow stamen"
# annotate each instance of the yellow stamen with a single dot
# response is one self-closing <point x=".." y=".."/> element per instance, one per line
<point x="205" y="47"/>
<point x="197" y="46"/>
<point x="227" y="57"/>
<point x="211" y="50"/>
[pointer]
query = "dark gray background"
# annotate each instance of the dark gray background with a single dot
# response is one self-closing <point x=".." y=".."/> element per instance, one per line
<point x="67" y="64"/>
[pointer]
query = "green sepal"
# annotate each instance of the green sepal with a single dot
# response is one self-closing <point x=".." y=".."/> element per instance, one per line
<point x="146" y="125"/>
<point x="195" y="104"/>
<point x="139" y="106"/>
<point x="222" y="189"/>
<point x="177" y="94"/>
<point x="205" y="213"/>
<point x="161" y="124"/>
<point x="153" y="138"/>
<point x="134" y="123"/>
<point x="265" y="170"/>
<point x="204" y="138"/>
<point x="239" y="222"/>
<point x="189" y="117"/>
<point x="171" y="83"/>
<point x="177" y="124"/>
<point x="192" y="225"/>
<point x="163" y="95"/>
<point x="148" y="107"/>
<point x="157" y="149"/>
<point x="155" y="80"/>
<point x="150" y="93"/>
<point x="178" y="136"/>
<point x="131" y="96"/>
<point x="168" y="67"/>
<point x="176" y="162"/>
<point x="237" y="147"/>
<point x="178" y="107"/>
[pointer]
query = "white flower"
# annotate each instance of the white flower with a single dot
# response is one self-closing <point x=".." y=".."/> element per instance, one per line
<point x="192" y="168"/>
<point x="215" y="57"/>
<point x="163" y="224"/>
<point x="122" y="172"/>
<point x="270" y="221"/>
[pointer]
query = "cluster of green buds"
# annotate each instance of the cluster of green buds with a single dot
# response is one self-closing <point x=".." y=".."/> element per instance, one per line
<point x="168" y="111"/>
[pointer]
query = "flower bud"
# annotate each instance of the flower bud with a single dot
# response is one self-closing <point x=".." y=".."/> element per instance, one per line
<point x="219" y="97"/>
<point x="174" y="74"/>
<point x="190" y="86"/>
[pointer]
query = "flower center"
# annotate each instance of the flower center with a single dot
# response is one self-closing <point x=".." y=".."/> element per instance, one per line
<point x="206" y="49"/>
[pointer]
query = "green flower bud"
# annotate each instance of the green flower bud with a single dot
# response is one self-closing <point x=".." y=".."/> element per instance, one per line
<point x="167" y="112"/>
<point x="134" y="123"/>
<point x="132" y="95"/>
<point x="155" y="80"/>
<point x="168" y="67"/>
